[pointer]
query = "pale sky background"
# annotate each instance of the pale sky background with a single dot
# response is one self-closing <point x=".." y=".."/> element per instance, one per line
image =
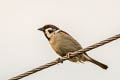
<point x="23" y="47"/>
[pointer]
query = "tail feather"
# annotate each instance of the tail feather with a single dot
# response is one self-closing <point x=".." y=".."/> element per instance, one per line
<point x="99" y="64"/>
<point x="103" y="66"/>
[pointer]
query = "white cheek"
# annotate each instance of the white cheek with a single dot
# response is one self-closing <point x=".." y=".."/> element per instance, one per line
<point x="49" y="34"/>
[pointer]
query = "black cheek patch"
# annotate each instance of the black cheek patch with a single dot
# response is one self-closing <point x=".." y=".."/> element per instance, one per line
<point x="50" y="31"/>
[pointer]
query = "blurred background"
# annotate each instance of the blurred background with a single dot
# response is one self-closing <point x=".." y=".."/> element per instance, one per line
<point x="23" y="47"/>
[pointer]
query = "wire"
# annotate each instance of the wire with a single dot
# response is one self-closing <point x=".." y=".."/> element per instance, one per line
<point x="59" y="60"/>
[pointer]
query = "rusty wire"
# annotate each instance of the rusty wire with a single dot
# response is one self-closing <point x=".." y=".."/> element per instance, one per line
<point x="76" y="53"/>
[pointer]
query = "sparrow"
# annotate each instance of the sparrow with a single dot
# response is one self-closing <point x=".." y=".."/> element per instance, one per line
<point x="63" y="43"/>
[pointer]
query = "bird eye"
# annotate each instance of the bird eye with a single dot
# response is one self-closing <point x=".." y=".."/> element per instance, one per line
<point x="50" y="31"/>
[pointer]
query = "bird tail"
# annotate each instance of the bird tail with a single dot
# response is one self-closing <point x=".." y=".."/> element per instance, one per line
<point x="103" y="66"/>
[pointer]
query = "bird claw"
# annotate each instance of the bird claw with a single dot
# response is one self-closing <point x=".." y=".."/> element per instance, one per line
<point x="68" y="55"/>
<point x="59" y="60"/>
<point x="64" y="57"/>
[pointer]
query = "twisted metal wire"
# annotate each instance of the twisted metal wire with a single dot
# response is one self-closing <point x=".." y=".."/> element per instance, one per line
<point x="59" y="60"/>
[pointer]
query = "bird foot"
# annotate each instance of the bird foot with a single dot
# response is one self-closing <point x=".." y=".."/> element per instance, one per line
<point x="68" y="55"/>
<point x="64" y="57"/>
<point x="59" y="60"/>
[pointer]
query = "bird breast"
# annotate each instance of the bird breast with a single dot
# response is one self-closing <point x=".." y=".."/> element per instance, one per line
<point x="63" y="43"/>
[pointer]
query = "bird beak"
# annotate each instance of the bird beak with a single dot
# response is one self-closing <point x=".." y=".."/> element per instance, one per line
<point x="41" y="29"/>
